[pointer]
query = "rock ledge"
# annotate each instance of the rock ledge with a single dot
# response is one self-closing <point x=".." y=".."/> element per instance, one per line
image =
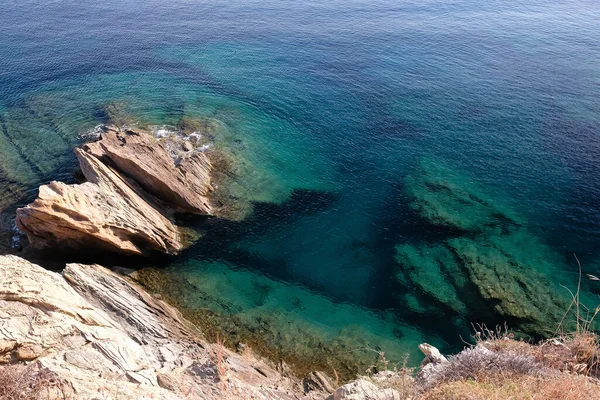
<point x="133" y="188"/>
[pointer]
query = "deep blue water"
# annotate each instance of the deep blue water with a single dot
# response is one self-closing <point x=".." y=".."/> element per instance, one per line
<point x="339" y="106"/>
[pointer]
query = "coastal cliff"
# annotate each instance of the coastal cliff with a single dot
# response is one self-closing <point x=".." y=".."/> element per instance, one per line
<point x="99" y="335"/>
<point x="90" y="333"/>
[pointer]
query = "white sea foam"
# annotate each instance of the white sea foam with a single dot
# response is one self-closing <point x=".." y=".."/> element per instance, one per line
<point x="168" y="131"/>
<point x="92" y="134"/>
<point x="16" y="238"/>
<point x="165" y="131"/>
<point x="194" y="135"/>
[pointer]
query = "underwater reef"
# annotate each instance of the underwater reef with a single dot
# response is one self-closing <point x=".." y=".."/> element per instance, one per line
<point x="482" y="250"/>
<point x="281" y="321"/>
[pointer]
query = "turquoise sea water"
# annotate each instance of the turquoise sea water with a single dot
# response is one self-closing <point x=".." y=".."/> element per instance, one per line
<point x="415" y="166"/>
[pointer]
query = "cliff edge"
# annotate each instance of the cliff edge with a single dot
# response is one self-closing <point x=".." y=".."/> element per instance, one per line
<point x="101" y="336"/>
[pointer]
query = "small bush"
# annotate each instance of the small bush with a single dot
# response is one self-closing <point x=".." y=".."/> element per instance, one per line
<point x="477" y="362"/>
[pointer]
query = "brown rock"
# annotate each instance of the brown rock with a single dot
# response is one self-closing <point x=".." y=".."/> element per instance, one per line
<point x="187" y="146"/>
<point x="28" y="352"/>
<point x="7" y="345"/>
<point x="102" y="213"/>
<point x="167" y="381"/>
<point x="184" y="182"/>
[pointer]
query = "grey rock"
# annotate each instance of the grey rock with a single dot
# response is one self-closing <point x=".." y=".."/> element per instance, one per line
<point x="362" y="389"/>
<point x="107" y="338"/>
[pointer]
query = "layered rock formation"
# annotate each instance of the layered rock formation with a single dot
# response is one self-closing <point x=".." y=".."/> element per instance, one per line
<point x="104" y="337"/>
<point x="180" y="179"/>
<point x="483" y="251"/>
<point x="133" y="185"/>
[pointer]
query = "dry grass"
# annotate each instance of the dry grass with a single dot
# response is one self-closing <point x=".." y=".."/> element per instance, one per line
<point x="576" y="353"/>
<point x="19" y="382"/>
<point x="566" y="367"/>
<point x="218" y="358"/>
<point x="561" y="387"/>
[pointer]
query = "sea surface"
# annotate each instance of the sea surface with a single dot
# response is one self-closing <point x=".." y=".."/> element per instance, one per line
<point x="414" y="167"/>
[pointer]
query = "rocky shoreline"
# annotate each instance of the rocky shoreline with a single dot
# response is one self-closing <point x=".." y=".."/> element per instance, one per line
<point x="134" y="184"/>
<point x="92" y="333"/>
<point x="105" y="337"/>
<point x="99" y="333"/>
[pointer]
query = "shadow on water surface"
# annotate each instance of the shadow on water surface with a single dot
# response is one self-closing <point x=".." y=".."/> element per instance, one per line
<point x="220" y="236"/>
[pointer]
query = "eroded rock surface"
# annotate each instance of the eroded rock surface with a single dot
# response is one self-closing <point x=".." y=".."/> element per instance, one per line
<point x="183" y="182"/>
<point x="362" y="389"/>
<point x="104" y="213"/>
<point x="134" y="185"/>
<point x="107" y="338"/>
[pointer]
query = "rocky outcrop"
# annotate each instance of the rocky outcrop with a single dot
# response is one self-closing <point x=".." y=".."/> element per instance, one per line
<point x="432" y="354"/>
<point x="105" y="337"/>
<point x="178" y="176"/>
<point x="104" y="213"/>
<point x="133" y="186"/>
<point x="388" y="385"/>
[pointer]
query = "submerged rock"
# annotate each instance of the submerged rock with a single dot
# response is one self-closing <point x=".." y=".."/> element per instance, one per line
<point x="434" y="271"/>
<point x="486" y="251"/>
<point x="448" y="199"/>
<point x="514" y="280"/>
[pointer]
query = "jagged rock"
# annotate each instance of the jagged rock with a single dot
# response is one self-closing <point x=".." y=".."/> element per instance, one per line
<point x="187" y="146"/>
<point x="433" y="359"/>
<point x="183" y="183"/>
<point x="362" y="389"/>
<point x="134" y="182"/>
<point x="107" y="338"/>
<point x="432" y="354"/>
<point x="28" y="352"/>
<point x="167" y="381"/>
<point x="318" y="381"/>
<point x="102" y="213"/>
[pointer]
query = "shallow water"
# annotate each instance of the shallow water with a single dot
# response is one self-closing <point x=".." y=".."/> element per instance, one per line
<point x="402" y="156"/>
